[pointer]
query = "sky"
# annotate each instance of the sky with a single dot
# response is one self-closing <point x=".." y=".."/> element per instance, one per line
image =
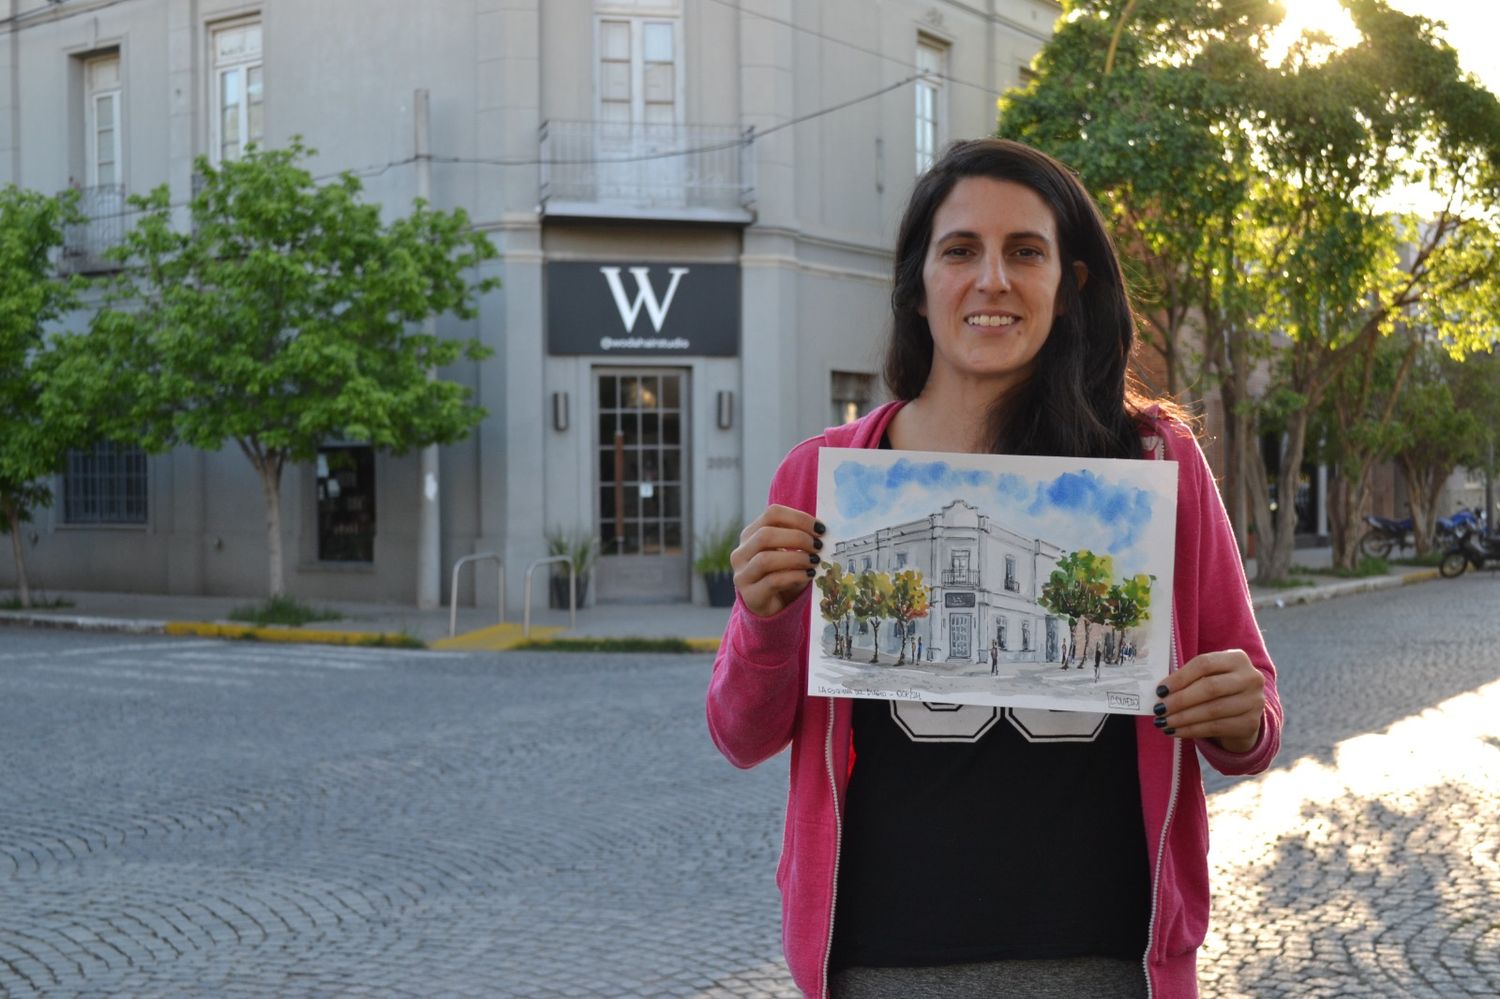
<point x="1473" y="28"/>
<point x="1122" y="509"/>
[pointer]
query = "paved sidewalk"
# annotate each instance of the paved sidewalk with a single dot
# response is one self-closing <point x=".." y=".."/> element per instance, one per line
<point x="479" y="627"/>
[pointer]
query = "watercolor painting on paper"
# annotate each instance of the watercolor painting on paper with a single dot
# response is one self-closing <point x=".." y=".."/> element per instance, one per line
<point x="1029" y="582"/>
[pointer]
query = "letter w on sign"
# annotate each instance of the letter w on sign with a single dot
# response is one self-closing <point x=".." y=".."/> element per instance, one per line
<point x="645" y="295"/>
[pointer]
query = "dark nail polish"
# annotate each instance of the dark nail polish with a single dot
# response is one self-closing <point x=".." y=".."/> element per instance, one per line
<point x="815" y="559"/>
<point x="818" y="544"/>
<point x="811" y="573"/>
<point x="1159" y="722"/>
<point x="818" y="527"/>
<point x="1170" y="731"/>
<point x="1160" y="709"/>
<point x="1162" y="691"/>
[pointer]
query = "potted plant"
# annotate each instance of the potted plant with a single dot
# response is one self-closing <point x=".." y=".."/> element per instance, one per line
<point x="713" y="564"/>
<point x="578" y="546"/>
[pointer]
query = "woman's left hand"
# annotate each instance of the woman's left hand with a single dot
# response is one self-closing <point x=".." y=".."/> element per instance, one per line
<point x="1219" y="696"/>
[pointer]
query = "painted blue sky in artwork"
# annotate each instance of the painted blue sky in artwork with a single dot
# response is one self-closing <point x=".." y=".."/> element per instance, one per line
<point x="1072" y="509"/>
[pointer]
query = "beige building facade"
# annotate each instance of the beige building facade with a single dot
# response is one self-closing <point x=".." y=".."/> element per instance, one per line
<point x="693" y="202"/>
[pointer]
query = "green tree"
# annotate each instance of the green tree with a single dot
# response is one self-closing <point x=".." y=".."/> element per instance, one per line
<point x="1288" y="248"/>
<point x="1445" y="419"/>
<point x="286" y="314"/>
<point x="33" y="442"/>
<point x="838" y="589"/>
<point x="909" y="602"/>
<point x="872" y="604"/>
<point x="1128" y="605"/>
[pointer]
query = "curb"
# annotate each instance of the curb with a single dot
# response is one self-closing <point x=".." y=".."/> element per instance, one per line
<point x="209" y="629"/>
<point x="301" y="636"/>
<point x="75" y="622"/>
<point x="1328" y="591"/>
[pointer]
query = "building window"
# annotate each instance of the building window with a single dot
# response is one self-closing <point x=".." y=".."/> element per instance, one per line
<point x="1010" y="574"/>
<point x="105" y="484"/>
<point x="1025" y="636"/>
<point x="638" y="75"/>
<point x="102" y="117"/>
<point x="901" y="560"/>
<point x="853" y="395"/>
<point x="931" y="58"/>
<point x="867" y="564"/>
<point x="1001" y="631"/>
<point x="346" y="504"/>
<point x="239" y="89"/>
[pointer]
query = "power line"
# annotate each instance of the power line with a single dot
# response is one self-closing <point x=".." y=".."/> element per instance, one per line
<point x="903" y="63"/>
<point x="750" y="136"/>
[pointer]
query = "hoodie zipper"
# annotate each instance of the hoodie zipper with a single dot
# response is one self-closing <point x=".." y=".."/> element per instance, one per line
<point x="838" y="842"/>
<point x="1161" y="845"/>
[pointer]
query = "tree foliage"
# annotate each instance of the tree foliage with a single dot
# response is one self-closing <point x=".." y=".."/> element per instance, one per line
<point x="286" y="314"/>
<point x="1252" y="203"/>
<point x="33" y="442"/>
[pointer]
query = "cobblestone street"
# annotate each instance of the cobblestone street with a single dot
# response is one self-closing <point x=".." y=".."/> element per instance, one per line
<point x="209" y="818"/>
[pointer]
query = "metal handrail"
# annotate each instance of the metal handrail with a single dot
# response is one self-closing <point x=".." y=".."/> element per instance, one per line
<point x="572" y="592"/>
<point x="453" y="590"/>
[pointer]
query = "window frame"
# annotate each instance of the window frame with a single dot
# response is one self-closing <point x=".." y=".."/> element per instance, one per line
<point x="92" y="96"/>
<point x="118" y="481"/>
<point x="216" y="72"/>
<point x="637" y="19"/>
<point x="933" y="130"/>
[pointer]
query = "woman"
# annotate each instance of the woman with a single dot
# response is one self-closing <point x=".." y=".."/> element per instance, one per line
<point x="972" y="851"/>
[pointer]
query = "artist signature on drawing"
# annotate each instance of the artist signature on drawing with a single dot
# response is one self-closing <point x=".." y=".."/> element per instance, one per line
<point x="1129" y="701"/>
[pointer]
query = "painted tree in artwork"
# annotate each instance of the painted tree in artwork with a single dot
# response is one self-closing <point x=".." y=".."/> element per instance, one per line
<point x="1077" y="590"/>
<point x="838" y="589"/>
<point x="908" y="603"/>
<point x="872" y="604"/>
<point x="1127" y="605"/>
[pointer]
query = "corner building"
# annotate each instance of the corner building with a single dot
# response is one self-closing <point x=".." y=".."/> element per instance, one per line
<point x="693" y="201"/>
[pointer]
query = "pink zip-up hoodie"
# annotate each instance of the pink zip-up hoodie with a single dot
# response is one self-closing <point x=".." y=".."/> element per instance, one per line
<point x="758" y="705"/>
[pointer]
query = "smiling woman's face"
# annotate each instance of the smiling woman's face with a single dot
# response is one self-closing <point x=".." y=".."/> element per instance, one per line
<point x="989" y="284"/>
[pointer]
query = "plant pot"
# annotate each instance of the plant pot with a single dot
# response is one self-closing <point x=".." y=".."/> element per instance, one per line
<point x="720" y="588"/>
<point x="557" y="592"/>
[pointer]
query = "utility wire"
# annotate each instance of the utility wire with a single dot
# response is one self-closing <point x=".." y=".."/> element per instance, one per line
<point x="750" y="136"/>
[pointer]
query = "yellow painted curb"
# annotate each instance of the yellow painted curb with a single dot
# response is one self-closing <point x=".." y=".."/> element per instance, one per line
<point x="308" y="636"/>
<point x="1420" y="576"/>
<point x="495" y="638"/>
<point x="703" y="644"/>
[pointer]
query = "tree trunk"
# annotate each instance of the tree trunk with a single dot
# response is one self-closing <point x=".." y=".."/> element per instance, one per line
<point x="1347" y="492"/>
<point x="1424" y="483"/>
<point x="875" y="642"/>
<point x="268" y="465"/>
<point x="17" y="544"/>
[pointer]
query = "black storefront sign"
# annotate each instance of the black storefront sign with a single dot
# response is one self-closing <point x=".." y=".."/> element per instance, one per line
<point x="958" y="600"/>
<point x="637" y="310"/>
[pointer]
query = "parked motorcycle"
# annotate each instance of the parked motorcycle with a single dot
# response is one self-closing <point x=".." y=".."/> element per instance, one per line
<point x="1447" y="527"/>
<point x="1384" y="534"/>
<point x="1471" y="547"/>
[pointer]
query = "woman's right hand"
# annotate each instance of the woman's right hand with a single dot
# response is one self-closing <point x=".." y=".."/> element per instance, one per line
<point x="776" y="559"/>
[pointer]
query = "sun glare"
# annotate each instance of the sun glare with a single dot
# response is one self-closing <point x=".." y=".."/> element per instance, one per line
<point x="1326" y="16"/>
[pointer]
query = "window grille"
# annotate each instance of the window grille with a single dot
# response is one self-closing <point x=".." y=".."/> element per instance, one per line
<point x="105" y="484"/>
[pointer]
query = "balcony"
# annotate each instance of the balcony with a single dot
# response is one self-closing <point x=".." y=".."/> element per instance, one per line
<point x="961" y="577"/>
<point x="102" y="229"/>
<point x="626" y="170"/>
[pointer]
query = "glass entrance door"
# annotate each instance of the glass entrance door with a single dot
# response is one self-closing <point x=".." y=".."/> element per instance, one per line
<point x="642" y="484"/>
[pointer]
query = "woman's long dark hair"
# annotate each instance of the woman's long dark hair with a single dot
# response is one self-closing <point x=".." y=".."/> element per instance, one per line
<point x="1080" y="402"/>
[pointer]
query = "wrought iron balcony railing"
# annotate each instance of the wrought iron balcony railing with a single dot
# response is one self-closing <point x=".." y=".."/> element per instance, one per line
<point x="102" y="228"/>
<point x="960" y="577"/>
<point x="595" y="169"/>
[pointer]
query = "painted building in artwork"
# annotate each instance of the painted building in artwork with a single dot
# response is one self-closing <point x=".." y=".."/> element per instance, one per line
<point x="983" y="580"/>
<point x="693" y="201"/>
